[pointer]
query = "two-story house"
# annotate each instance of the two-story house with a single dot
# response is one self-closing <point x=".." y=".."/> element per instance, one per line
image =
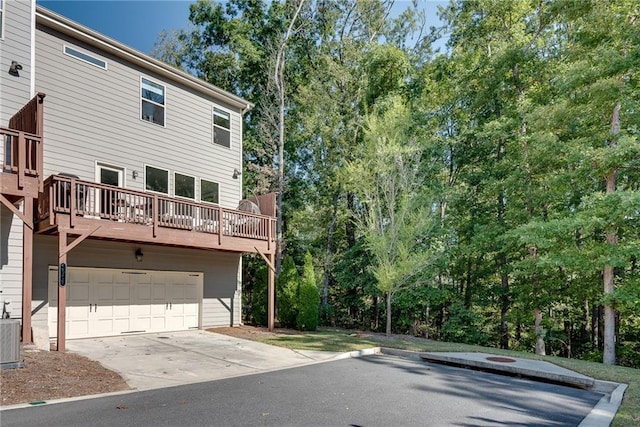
<point x="120" y="187"/>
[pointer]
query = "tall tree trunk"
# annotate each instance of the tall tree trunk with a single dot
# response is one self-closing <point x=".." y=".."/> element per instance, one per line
<point x="327" y="259"/>
<point x="350" y="227"/>
<point x="537" y="313"/>
<point x="539" y="330"/>
<point x="586" y="324"/>
<point x="278" y="75"/>
<point x="609" y="353"/>
<point x="567" y="346"/>
<point x="468" y="287"/>
<point x="426" y="321"/>
<point x="504" y="306"/>
<point x="388" y="329"/>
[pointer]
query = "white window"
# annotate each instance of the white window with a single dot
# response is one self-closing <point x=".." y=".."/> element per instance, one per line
<point x="209" y="191"/>
<point x="185" y="185"/>
<point x="156" y="179"/>
<point x="152" y="98"/>
<point x="221" y="127"/>
<point x="85" y="57"/>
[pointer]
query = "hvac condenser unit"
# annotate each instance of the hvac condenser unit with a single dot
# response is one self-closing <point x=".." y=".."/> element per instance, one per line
<point x="10" y="343"/>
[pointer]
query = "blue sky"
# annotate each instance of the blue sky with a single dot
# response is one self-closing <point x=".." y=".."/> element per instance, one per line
<point x="134" y="23"/>
<point x="138" y="23"/>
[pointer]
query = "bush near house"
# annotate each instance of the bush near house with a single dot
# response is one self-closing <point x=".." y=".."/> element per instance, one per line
<point x="288" y="293"/>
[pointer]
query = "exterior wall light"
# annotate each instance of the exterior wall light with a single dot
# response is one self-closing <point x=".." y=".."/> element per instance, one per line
<point x="14" y="69"/>
<point x="236" y="173"/>
<point x="139" y="255"/>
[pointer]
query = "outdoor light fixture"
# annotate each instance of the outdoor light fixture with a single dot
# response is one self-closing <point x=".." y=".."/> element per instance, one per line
<point x="236" y="173"/>
<point x="134" y="174"/>
<point x="14" y="68"/>
<point x="139" y="255"/>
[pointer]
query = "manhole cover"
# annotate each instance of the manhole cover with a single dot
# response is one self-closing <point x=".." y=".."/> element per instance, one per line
<point x="501" y="359"/>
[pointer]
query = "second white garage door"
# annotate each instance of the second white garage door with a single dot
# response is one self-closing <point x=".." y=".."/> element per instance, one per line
<point x="103" y="302"/>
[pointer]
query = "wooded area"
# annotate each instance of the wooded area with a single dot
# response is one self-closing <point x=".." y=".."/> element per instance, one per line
<point x="487" y="193"/>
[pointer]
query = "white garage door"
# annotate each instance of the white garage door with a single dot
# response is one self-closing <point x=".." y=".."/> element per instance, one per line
<point x="103" y="302"/>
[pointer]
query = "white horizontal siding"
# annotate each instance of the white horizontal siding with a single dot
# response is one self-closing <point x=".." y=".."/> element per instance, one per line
<point x="93" y="115"/>
<point x="11" y="261"/>
<point x="220" y="271"/>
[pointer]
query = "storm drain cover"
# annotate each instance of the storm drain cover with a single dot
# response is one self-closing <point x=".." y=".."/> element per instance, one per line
<point x="501" y="359"/>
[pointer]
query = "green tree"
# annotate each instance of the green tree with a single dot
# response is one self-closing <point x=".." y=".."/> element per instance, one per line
<point x="308" y="298"/>
<point x="387" y="176"/>
<point x="288" y="293"/>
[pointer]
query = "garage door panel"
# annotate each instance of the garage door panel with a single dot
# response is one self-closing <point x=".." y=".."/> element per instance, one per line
<point x="121" y="311"/>
<point x="122" y="294"/>
<point x="102" y="302"/>
<point x="78" y="275"/>
<point x="104" y="292"/>
<point x="79" y="293"/>
<point x="159" y="291"/>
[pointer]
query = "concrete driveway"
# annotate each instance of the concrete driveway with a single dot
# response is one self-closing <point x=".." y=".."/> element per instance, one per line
<point x="168" y="359"/>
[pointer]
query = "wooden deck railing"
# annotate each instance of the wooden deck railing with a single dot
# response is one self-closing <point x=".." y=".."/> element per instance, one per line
<point x="22" y="154"/>
<point x="64" y="195"/>
<point x="22" y="149"/>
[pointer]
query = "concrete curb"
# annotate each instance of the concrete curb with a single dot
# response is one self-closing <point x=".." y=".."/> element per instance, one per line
<point x="358" y="353"/>
<point x="600" y="416"/>
<point x="524" y="367"/>
<point x="603" y="413"/>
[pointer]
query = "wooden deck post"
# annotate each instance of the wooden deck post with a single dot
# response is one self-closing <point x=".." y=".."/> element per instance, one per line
<point x="27" y="271"/>
<point x="271" y="294"/>
<point x="62" y="293"/>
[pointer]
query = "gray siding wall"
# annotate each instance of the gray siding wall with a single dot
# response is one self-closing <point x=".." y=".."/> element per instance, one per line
<point x="11" y="261"/>
<point x="15" y="46"/>
<point x="15" y="92"/>
<point x="221" y="289"/>
<point x="93" y="115"/>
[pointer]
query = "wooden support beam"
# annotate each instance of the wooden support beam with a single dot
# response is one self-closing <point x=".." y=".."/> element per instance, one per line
<point x="26" y="218"/>
<point x="62" y="293"/>
<point x="271" y="294"/>
<point x="271" y="288"/>
<point x="266" y="259"/>
<point x="27" y="271"/>
<point x="77" y="241"/>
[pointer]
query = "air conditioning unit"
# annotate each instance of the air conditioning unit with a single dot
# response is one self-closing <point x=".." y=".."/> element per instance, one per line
<point x="10" y="343"/>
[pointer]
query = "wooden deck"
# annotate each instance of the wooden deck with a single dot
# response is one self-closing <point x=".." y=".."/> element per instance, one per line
<point x="109" y="212"/>
<point x="22" y="152"/>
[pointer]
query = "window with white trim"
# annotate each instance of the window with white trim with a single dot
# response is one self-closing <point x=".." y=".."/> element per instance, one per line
<point x="156" y="179"/>
<point x="152" y="98"/>
<point x="185" y="185"/>
<point x="85" y="57"/>
<point x="209" y="191"/>
<point x="221" y="127"/>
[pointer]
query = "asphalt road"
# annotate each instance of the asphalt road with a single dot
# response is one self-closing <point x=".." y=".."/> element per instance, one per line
<point x="369" y="391"/>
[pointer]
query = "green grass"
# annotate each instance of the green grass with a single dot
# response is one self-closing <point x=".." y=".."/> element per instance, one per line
<point x="344" y="340"/>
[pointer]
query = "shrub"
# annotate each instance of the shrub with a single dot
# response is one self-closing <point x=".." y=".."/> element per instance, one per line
<point x="288" y="293"/>
<point x="259" y="297"/>
<point x="309" y="298"/>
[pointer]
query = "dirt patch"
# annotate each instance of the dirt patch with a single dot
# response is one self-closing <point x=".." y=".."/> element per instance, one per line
<point x="252" y="332"/>
<point x="257" y="332"/>
<point x="51" y="375"/>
